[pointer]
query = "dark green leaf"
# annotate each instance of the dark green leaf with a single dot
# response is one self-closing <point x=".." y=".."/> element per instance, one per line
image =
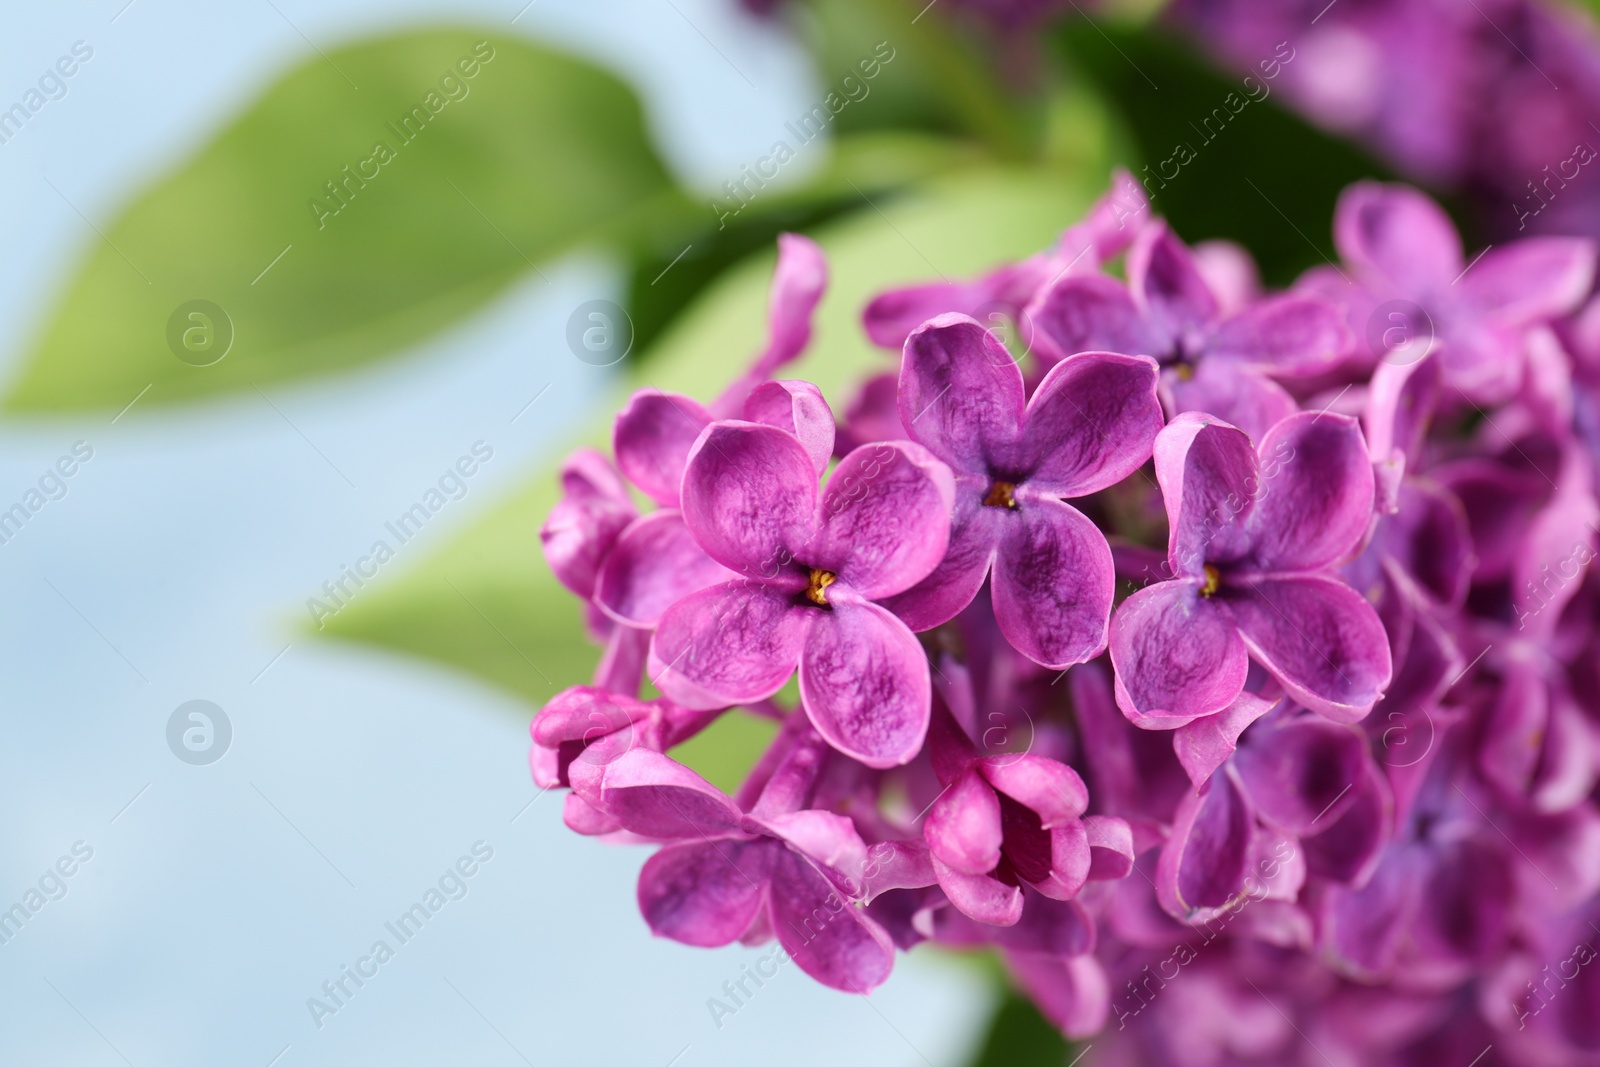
<point x="942" y="75"/>
<point x="1255" y="172"/>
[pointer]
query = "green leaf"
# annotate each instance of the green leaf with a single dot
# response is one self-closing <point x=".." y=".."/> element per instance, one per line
<point x="1256" y="173"/>
<point x="532" y="155"/>
<point x="487" y="604"/>
<point x="940" y="74"/>
<point x="1018" y="1036"/>
<point x="676" y="262"/>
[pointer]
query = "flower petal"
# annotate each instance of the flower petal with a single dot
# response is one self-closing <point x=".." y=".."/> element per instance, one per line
<point x="1053" y="583"/>
<point x="1396" y="236"/>
<point x="1531" y="280"/>
<point x="1168" y="285"/>
<point x="829" y="840"/>
<point x="1176" y="656"/>
<point x="1319" y="639"/>
<point x="1315" y="503"/>
<point x="656" y="796"/>
<point x="1203" y="863"/>
<point x="1429" y="542"/>
<point x="974" y="537"/>
<point x="1055" y="861"/>
<point x="1500" y="504"/>
<point x="978" y="896"/>
<point x="897" y="865"/>
<point x="1089" y="313"/>
<point x="1110" y="847"/>
<point x="655" y="563"/>
<point x="874" y="415"/>
<point x="1566" y="776"/>
<point x="582" y="817"/>
<point x="885" y="518"/>
<point x="622" y="664"/>
<point x="584" y="714"/>
<point x="829" y="939"/>
<point x="1468" y="914"/>
<point x="1515" y="723"/>
<point x="1429" y="667"/>
<point x="545" y="763"/>
<point x="1302" y="775"/>
<point x="1236" y="394"/>
<point x="750" y="497"/>
<point x="1091" y="423"/>
<point x="798" y="408"/>
<point x="1558" y="546"/>
<point x="652" y="439"/>
<point x="705" y="893"/>
<point x="1049" y="787"/>
<point x="798" y="282"/>
<point x="1400" y="401"/>
<point x="1206" y="743"/>
<point x="864" y="683"/>
<point x="893" y="316"/>
<point x="961" y="393"/>
<point x="594" y="508"/>
<point x="730" y="644"/>
<point x="1111" y="222"/>
<point x="1230" y="272"/>
<point x="963" y="826"/>
<point x="1060" y="928"/>
<point x="1209" y="477"/>
<point x="1287" y="336"/>
<point x="1365" y="927"/>
<point x="1349" y="850"/>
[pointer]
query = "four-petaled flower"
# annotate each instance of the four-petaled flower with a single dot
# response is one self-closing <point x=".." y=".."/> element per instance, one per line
<point x="1254" y="536"/>
<point x="813" y="567"/>
<point x="1090" y="423"/>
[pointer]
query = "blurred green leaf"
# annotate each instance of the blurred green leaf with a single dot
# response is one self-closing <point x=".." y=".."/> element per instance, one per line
<point x="487" y="604"/>
<point x="678" y="261"/>
<point x="535" y="153"/>
<point x="1259" y="174"/>
<point x="1018" y="1036"/>
<point x="943" y="75"/>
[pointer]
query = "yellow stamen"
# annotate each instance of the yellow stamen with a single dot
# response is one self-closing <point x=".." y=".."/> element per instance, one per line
<point x="816" y="588"/>
<point x="1213" y="579"/>
<point x="1000" y="496"/>
<point x="1184" y="371"/>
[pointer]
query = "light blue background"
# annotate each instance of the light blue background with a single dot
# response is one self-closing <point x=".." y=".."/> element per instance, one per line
<point x="177" y="568"/>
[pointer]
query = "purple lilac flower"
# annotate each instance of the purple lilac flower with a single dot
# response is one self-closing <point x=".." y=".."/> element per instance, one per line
<point x="583" y="728"/>
<point x="1002" y="822"/>
<point x="1090" y="423"/>
<point x="778" y="870"/>
<point x="1399" y="245"/>
<point x="814" y="567"/>
<point x="1254" y="535"/>
<point x="658" y="562"/>
<point x="1294" y="788"/>
<point x="594" y="510"/>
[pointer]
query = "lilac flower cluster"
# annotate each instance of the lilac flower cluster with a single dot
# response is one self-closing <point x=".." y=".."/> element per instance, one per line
<point x="1234" y="677"/>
